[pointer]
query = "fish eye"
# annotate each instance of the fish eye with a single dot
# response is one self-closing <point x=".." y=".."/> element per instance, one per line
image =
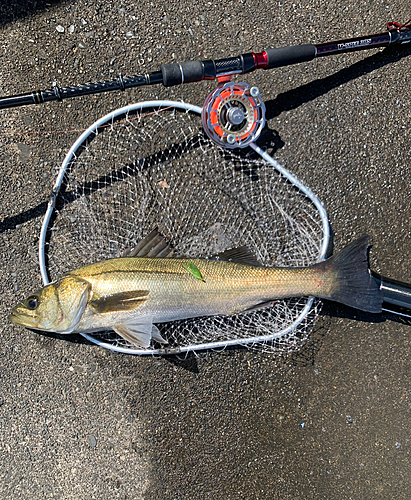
<point x="33" y="302"/>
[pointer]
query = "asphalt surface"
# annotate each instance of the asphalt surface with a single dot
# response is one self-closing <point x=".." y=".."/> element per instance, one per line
<point x="329" y="422"/>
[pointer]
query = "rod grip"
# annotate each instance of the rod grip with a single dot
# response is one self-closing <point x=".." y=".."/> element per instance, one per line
<point x="187" y="72"/>
<point x="285" y="56"/>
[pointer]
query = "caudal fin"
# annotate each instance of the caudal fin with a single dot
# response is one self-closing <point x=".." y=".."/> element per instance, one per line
<point x="355" y="285"/>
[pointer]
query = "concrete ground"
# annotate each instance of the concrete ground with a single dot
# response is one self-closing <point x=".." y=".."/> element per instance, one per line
<point x="329" y="422"/>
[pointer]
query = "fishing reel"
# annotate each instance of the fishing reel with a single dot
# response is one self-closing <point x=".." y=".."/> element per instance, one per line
<point x="234" y="115"/>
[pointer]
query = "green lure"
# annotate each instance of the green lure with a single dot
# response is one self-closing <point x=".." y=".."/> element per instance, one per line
<point x="193" y="269"/>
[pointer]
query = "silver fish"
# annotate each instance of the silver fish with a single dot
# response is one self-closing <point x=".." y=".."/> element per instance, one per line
<point x="131" y="294"/>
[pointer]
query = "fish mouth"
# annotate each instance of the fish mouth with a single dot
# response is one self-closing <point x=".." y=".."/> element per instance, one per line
<point x="14" y="319"/>
<point x="21" y="318"/>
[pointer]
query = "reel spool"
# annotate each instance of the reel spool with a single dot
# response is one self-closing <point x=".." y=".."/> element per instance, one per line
<point x="234" y="115"/>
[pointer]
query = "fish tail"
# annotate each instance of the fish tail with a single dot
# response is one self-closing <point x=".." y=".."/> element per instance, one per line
<point x="354" y="285"/>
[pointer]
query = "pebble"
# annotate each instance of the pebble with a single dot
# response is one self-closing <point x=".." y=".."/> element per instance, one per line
<point x="92" y="441"/>
<point x="60" y="28"/>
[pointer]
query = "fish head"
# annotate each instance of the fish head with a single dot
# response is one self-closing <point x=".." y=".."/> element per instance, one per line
<point x="57" y="307"/>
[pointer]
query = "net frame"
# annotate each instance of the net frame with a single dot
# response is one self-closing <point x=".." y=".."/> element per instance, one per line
<point x="309" y="304"/>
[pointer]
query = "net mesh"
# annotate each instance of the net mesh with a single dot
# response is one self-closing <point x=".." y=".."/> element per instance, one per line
<point x="156" y="168"/>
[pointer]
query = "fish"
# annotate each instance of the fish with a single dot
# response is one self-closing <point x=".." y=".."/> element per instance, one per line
<point x="149" y="285"/>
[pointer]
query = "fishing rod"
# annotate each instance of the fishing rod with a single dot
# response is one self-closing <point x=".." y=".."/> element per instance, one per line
<point x="195" y="71"/>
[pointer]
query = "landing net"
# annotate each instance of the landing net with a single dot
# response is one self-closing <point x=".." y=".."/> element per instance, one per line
<point x="151" y="166"/>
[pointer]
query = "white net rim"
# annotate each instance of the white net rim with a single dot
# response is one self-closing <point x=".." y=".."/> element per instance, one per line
<point x="110" y="117"/>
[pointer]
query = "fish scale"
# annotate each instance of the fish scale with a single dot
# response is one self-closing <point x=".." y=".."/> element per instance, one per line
<point x="228" y="288"/>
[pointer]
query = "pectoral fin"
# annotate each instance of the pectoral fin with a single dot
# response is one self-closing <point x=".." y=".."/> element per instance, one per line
<point x="139" y="332"/>
<point x="124" y="301"/>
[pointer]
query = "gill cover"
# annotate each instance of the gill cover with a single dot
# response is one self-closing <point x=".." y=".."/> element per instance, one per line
<point x="72" y="295"/>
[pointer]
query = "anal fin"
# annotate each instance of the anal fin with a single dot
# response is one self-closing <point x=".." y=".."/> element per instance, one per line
<point x="261" y="305"/>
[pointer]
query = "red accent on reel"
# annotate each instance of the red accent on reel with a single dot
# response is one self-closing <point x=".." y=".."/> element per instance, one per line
<point x="234" y="115"/>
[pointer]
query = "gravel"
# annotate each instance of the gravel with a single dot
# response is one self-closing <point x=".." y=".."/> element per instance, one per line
<point x="78" y="421"/>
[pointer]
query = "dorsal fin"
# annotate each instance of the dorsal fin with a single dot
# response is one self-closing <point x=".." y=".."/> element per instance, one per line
<point x="240" y="255"/>
<point x="152" y="245"/>
<point x="155" y="245"/>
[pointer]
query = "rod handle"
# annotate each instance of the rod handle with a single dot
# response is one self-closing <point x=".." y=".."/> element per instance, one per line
<point x="396" y="294"/>
<point x="285" y="56"/>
